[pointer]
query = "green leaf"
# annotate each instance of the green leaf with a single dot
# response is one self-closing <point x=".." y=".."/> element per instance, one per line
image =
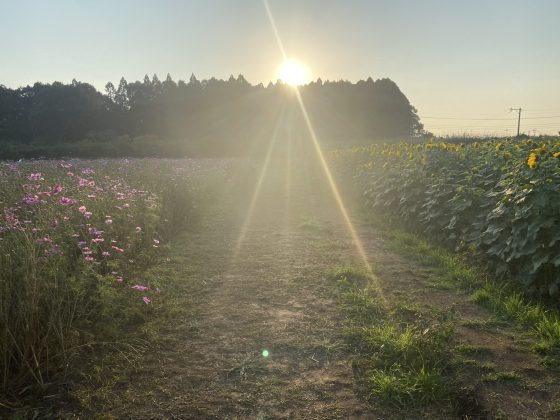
<point x="538" y="260"/>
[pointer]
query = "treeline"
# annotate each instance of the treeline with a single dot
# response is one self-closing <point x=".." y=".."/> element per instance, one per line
<point x="210" y="117"/>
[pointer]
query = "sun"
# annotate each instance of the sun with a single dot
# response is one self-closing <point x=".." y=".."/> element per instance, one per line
<point x="293" y="73"/>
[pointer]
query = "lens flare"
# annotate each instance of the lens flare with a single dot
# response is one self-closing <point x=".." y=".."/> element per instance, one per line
<point x="338" y="198"/>
<point x="258" y="187"/>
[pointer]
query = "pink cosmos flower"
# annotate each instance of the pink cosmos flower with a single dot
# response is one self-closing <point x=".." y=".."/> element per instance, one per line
<point x="34" y="176"/>
<point x="65" y="201"/>
<point x="45" y="240"/>
<point x="139" y="287"/>
<point x="109" y="222"/>
<point x="93" y="231"/>
<point x="105" y="254"/>
<point x="146" y="300"/>
<point x="116" y="248"/>
<point x="88" y="214"/>
<point x="57" y="189"/>
<point x="31" y="199"/>
<point x="82" y="209"/>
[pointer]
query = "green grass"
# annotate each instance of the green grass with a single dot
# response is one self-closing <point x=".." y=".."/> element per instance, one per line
<point x="407" y="386"/>
<point x="507" y="376"/>
<point x="502" y="298"/>
<point x="470" y="350"/>
<point x="405" y="362"/>
<point x="486" y="366"/>
<point x="484" y="324"/>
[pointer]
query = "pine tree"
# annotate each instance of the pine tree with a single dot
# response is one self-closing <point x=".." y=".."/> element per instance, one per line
<point x="121" y="96"/>
<point x="111" y="91"/>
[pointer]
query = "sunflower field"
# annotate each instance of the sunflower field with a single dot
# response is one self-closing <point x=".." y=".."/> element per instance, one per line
<point x="499" y="199"/>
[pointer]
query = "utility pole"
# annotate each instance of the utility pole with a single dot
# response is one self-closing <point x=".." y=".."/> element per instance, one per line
<point x="518" y="118"/>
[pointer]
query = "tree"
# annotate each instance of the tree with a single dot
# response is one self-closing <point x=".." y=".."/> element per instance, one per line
<point x="193" y="80"/>
<point x="121" y="95"/>
<point x="216" y="116"/>
<point x="111" y="91"/>
<point x="156" y="85"/>
<point x="169" y="85"/>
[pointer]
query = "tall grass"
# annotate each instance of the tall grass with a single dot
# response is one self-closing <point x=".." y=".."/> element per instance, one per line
<point x="73" y="237"/>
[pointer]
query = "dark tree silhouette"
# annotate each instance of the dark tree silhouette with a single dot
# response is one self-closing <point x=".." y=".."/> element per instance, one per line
<point x="208" y="117"/>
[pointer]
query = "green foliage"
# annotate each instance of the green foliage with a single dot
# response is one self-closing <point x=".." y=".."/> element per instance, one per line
<point x="498" y="199"/>
<point x="405" y="362"/>
<point x="469" y="349"/>
<point x="507" y="376"/>
<point x="408" y="386"/>
<point x="504" y="299"/>
<point x="200" y="118"/>
<point x="75" y="239"/>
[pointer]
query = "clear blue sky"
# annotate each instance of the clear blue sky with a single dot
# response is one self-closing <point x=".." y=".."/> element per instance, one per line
<point x="451" y="58"/>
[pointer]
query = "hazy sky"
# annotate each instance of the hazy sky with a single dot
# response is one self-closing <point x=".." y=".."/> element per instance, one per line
<point x="457" y="59"/>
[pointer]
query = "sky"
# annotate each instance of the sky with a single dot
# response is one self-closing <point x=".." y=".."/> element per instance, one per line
<point x="462" y="64"/>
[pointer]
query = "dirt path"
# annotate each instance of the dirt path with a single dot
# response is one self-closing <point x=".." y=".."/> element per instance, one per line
<point x="261" y="286"/>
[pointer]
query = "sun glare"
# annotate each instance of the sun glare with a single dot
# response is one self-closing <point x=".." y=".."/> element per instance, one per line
<point x="293" y="73"/>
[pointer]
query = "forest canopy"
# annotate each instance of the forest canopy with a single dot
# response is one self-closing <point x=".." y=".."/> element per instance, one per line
<point x="196" y="118"/>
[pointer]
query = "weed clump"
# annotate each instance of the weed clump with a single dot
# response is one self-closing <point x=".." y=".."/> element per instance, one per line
<point x="405" y="364"/>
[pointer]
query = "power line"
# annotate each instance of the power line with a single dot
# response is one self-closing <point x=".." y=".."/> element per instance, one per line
<point x="540" y="118"/>
<point x="488" y="119"/>
<point x="465" y="119"/>
<point x="518" y="118"/>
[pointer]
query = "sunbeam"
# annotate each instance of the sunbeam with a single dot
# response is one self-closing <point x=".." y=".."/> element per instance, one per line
<point x="317" y="146"/>
<point x="258" y="187"/>
<point x="288" y="181"/>
<point x="355" y="238"/>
